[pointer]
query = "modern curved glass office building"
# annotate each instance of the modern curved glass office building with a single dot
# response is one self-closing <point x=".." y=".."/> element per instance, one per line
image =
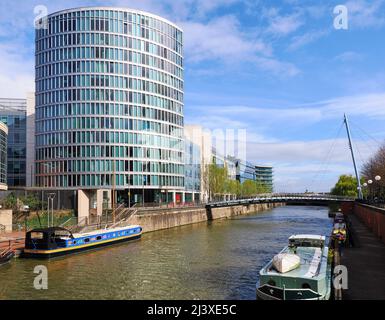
<point x="109" y="103"/>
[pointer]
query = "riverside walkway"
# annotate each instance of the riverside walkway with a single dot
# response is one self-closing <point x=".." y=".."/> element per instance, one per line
<point x="365" y="262"/>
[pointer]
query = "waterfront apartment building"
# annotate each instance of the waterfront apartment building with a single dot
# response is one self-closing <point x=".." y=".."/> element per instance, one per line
<point x="18" y="115"/>
<point x="109" y="106"/>
<point x="3" y="155"/>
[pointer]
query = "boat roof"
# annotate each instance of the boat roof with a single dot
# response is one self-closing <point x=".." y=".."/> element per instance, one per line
<point x="313" y="259"/>
<point x="49" y="230"/>
<point x="307" y="236"/>
<point x="102" y="231"/>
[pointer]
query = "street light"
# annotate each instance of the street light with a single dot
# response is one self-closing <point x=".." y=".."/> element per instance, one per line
<point x="365" y="185"/>
<point x="51" y="196"/>
<point x="378" y="178"/>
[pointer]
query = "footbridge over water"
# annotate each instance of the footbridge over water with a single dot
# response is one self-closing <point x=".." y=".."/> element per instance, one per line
<point x="287" y="198"/>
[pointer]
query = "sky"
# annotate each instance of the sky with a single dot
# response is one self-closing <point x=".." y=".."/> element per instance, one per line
<point x="278" y="69"/>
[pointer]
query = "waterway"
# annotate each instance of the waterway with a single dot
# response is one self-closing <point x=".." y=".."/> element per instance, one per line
<point x="215" y="260"/>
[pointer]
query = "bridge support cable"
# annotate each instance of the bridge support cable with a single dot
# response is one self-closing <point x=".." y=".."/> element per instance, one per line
<point x="326" y="161"/>
<point x="372" y="147"/>
<point x="365" y="133"/>
<point x="360" y="196"/>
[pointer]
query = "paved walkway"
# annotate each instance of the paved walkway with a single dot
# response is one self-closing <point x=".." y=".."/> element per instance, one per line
<point x="366" y="264"/>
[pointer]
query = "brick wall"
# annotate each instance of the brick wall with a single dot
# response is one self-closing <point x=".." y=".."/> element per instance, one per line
<point x="372" y="217"/>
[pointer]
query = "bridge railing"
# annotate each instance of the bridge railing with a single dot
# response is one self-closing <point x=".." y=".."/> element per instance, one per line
<point x="281" y="198"/>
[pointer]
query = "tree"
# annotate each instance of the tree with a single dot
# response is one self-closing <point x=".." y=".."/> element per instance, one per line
<point x="261" y="187"/>
<point x="346" y="186"/>
<point x="33" y="202"/>
<point x="375" y="166"/>
<point x="10" y="202"/>
<point x="249" y="188"/>
<point x="217" y="179"/>
<point x="233" y="187"/>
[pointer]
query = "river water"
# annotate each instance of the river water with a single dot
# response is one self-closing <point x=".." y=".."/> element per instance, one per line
<point x="215" y="260"/>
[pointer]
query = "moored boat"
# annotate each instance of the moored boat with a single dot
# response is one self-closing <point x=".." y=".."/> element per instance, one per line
<point x="339" y="231"/>
<point x="310" y="279"/>
<point x="56" y="241"/>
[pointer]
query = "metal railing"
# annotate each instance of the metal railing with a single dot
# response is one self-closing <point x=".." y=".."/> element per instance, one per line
<point x="379" y="203"/>
<point x="170" y="205"/>
<point x="281" y="198"/>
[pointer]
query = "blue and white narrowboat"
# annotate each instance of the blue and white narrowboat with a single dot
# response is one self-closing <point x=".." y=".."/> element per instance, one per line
<point x="57" y="241"/>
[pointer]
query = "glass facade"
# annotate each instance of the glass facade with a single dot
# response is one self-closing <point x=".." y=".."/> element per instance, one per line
<point x="265" y="175"/>
<point x="248" y="171"/>
<point x="192" y="167"/>
<point x="245" y="171"/>
<point x="13" y="114"/>
<point x="3" y="156"/>
<point x="109" y="100"/>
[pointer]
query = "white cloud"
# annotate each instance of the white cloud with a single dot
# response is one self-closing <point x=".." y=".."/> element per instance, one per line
<point x="348" y="56"/>
<point x="222" y="40"/>
<point x="365" y="14"/>
<point x="283" y="24"/>
<point x="16" y="72"/>
<point x="306" y="38"/>
<point x="300" y="165"/>
<point x="371" y="106"/>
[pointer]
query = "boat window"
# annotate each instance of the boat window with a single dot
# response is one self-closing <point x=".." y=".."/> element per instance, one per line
<point x="306" y="285"/>
<point x="37" y="235"/>
<point x="305" y="243"/>
<point x="87" y="240"/>
<point x="99" y="238"/>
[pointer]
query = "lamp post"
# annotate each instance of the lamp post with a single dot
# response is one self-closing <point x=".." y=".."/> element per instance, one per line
<point x="365" y="185"/>
<point x="51" y="196"/>
<point x="378" y="178"/>
<point x="370" y="182"/>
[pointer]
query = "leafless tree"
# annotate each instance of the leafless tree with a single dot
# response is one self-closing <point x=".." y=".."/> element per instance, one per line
<point x="375" y="166"/>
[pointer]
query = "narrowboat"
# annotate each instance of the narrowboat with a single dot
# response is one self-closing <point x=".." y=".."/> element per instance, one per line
<point x="57" y="241"/>
<point x="301" y="271"/>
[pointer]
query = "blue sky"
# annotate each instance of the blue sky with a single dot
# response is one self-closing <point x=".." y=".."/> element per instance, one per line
<point x="278" y="69"/>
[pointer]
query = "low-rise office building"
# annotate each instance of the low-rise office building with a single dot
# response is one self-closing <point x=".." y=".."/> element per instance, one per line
<point x="19" y="116"/>
<point x="248" y="171"/>
<point x="264" y="174"/>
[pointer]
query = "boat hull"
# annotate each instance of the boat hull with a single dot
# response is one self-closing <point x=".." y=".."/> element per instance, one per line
<point x="47" y="254"/>
<point x="267" y="292"/>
